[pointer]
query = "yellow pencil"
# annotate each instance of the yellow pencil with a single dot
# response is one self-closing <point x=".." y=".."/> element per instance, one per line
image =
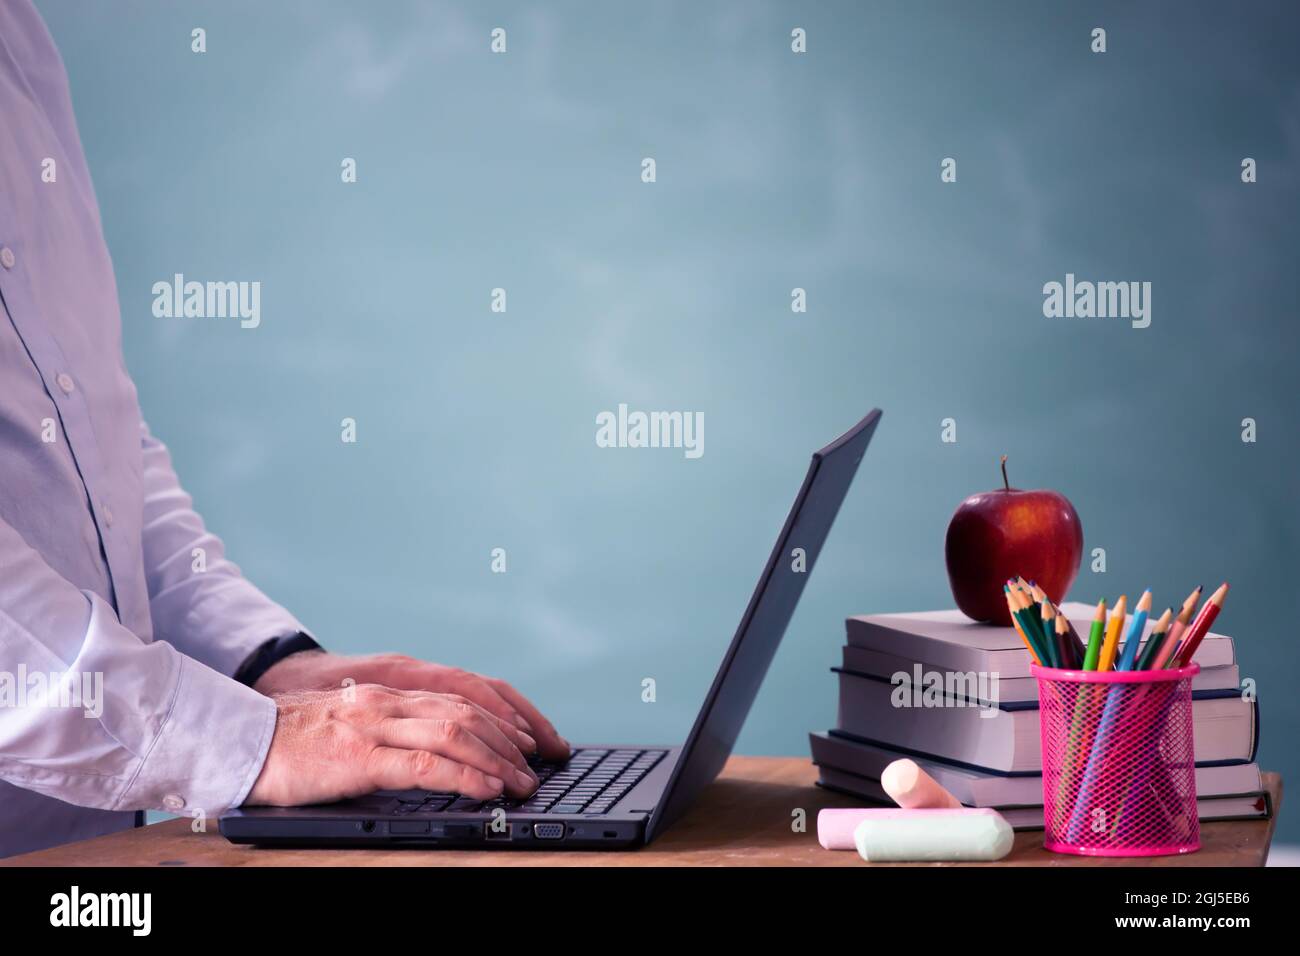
<point x="1110" y="645"/>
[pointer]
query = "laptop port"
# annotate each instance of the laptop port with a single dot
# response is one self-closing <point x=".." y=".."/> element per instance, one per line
<point x="489" y="833"/>
<point x="548" y="831"/>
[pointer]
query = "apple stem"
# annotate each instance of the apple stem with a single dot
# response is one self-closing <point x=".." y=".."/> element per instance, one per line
<point x="1006" y="484"/>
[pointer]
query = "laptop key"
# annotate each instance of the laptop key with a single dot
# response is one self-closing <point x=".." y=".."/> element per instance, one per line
<point x="464" y="804"/>
<point x="590" y="781"/>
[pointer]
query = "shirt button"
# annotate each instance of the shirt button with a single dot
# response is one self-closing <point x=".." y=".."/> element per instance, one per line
<point x="7" y="257"/>
<point x="65" y="383"/>
<point x="108" y="516"/>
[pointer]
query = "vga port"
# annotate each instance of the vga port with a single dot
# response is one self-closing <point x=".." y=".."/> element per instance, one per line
<point x="548" y="831"/>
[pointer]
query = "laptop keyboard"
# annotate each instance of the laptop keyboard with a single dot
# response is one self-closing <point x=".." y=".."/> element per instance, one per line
<point x="591" y="781"/>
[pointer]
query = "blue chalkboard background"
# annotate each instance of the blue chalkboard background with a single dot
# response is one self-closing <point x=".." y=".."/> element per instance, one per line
<point x="775" y="170"/>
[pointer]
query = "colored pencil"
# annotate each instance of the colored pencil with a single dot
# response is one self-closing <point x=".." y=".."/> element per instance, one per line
<point x="1047" y="625"/>
<point x="1032" y="622"/>
<point x="1157" y="638"/>
<point x="1040" y="600"/>
<point x="1097" y="751"/>
<point x="1111" y="644"/>
<point x="1069" y="647"/>
<point x="1080" y="743"/>
<point x="1200" y="627"/>
<point x="1117" y="742"/>
<point x="1147" y="762"/>
<point x="1047" y="614"/>
<point x="1093" y="653"/>
<point x="1066" y="647"/>
<point x="1015" y="621"/>
<point x="1189" y="605"/>
<point x="1137" y="627"/>
<point x="1028" y="632"/>
<point x="1112" y="715"/>
<point x="1166" y="652"/>
<point x="1030" y="612"/>
<point x="1073" y="641"/>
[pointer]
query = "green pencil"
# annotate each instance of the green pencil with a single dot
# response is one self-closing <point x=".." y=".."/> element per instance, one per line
<point x="1026" y="618"/>
<point x="1046" y="628"/>
<point x="1093" y="653"/>
<point x="1055" y="639"/>
<point x="1152" y="647"/>
<point x="1034" y="615"/>
<point x="1030" y="627"/>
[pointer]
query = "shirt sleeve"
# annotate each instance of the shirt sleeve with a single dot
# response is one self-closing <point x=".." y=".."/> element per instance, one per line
<point x="198" y="599"/>
<point x="92" y="715"/>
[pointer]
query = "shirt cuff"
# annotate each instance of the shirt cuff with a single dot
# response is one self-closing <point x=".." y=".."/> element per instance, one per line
<point x="211" y="747"/>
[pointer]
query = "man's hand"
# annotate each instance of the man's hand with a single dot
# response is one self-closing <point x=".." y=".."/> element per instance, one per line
<point x="329" y="745"/>
<point x="320" y="670"/>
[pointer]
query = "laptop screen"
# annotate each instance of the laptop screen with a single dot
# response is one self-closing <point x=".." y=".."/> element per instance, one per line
<point x="765" y="620"/>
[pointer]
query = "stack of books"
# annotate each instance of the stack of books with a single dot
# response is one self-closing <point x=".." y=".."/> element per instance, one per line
<point x="958" y="698"/>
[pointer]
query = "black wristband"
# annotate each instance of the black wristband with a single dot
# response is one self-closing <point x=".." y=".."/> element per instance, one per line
<point x="270" y="653"/>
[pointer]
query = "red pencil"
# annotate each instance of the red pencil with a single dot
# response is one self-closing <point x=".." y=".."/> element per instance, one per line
<point x="1200" y="627"/>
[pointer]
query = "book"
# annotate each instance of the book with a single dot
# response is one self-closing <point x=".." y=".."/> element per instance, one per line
<point x="983" y="788"/>
<point x="949" y="640"/>
<point x="1011" y="690"/>
<point x="1242" y="807"/>
<point x="1006" y="738"/>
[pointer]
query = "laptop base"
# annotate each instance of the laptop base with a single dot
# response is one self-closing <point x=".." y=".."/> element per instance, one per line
<point x="416" y="819"/>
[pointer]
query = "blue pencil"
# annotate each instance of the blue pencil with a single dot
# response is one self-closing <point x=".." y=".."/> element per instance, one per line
<point x="1101" y="742"/>
<point x="1109" y="718"/>
<point x="1128" y="656"/>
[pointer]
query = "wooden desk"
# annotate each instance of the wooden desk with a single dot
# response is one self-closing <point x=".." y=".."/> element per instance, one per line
<point x="743" y="819"/>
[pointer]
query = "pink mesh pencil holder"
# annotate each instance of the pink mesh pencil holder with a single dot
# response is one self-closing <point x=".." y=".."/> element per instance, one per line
<point x="1119" y="772"/>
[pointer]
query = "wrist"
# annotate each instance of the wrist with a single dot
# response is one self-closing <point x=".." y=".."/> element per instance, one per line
<point x="271" y="652"/>
<point x="308" y="669"/>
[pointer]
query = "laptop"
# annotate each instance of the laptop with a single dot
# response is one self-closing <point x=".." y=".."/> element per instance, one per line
<point x="602" y="796"/>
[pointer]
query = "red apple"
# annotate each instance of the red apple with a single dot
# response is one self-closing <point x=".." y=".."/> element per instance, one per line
<point x="1007" y="532"/>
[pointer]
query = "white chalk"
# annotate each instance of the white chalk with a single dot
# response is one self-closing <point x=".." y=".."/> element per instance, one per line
<point x="911" y="787"/>
<point x="931" y="835"/>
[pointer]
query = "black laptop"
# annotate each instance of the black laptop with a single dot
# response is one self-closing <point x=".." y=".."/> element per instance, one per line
<point x="602" y="796"/>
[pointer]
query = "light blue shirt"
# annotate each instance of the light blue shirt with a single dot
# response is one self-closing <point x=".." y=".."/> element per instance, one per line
<point x="106" y="572"/>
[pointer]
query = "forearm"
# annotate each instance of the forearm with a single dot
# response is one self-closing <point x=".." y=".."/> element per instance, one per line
<point x="95" y="717"/>
<point x="198" y="599"/>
